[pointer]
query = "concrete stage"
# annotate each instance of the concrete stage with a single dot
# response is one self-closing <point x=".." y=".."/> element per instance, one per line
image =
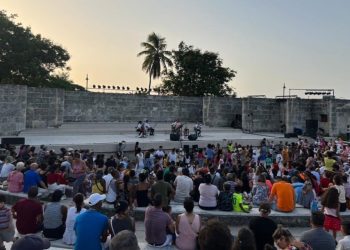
<point x="103" y="137"/>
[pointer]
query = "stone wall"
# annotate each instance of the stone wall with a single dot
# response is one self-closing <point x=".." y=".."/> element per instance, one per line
<point x="100" y="107"/>
<point x="221" y="111"/>
<point x="13" y="102"/>
<point x="261" y="115"/>
<point x="26" y="107"/>
<point x="45" y="107"/>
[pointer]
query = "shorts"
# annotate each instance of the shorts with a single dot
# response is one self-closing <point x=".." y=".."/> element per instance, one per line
<point x="332" y="223"/>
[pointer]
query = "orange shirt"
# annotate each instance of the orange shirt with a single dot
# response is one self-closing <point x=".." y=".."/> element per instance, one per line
<point x="284" y="193"/>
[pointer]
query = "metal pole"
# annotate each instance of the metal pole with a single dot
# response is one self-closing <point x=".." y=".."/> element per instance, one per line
<point x="87" y="81"/>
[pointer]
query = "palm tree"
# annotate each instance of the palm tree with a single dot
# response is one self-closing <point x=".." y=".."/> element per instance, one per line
<point x="156" y="57"/>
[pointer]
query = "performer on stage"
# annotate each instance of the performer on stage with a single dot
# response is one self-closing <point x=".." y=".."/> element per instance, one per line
<point x="198" y="129"/>
<point x="140" y="128"/>
<point x="176" y="127"/>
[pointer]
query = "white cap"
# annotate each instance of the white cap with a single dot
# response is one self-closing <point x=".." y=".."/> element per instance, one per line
<point x="95" y="198"/>
<point x="70" y="149"/>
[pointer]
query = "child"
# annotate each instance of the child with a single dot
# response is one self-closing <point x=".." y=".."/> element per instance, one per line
<point x="338" y="184"/>
<point x="225" y="198"/>
<point x="237" y="201"/>
<point x="7" y="230"/>
<point x="345" y="242"/>
<point x="330" y="208"/>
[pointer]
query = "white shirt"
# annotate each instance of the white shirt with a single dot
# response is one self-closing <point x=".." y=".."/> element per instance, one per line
<point x="172" y="157"/>
<point x="6" y="169"/>
<point x="344" y="244"/>
<point x="184" y="186"/>
<point x="208" y="195"/>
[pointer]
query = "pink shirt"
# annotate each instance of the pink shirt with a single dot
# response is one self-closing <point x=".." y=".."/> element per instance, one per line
<point x="15" y="182"/>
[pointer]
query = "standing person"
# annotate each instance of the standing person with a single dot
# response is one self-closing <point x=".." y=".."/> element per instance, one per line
<point x="317" y="237"/>
<point x="28" y="213"/>
<point x="188" y="225"/>
<point x="338" y="184"/>
<point x="55" y="216"/>
<point x="330" y="208"/>
<point x="121" y="220"/>
<point x="140" y="161"/>
<point x="7" y="230"/>
<point x="15" y="179"/>
<point x="69" y="237"/>
<point x="162" y="187"/>
<point x="208" y="194"/>
<point x="156" y="224"/>
<point x="263" y="227"/>
<point x="79" y="173"/>
<point x="90" y="237"/>
<point x="183" y="186"/>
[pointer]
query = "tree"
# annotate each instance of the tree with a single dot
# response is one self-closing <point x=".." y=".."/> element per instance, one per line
<point x="30" y="59"/>
<point x="156" y="57"/>
<point x="197" y="73"/>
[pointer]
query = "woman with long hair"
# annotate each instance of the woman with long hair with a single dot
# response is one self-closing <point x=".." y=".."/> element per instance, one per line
<point x="188" y="225"/>
<point x="244" y="240"/>
<point x="69" y="234"/>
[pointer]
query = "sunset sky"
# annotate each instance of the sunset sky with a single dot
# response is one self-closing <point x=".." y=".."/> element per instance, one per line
<point x="302" y="43"/>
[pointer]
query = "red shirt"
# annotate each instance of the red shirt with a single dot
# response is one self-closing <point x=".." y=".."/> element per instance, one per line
<point x="27" y="211"/>
<point x="55" y="178"/>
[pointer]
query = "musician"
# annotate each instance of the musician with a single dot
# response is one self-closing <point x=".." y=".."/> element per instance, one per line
<point x="148" y="127"/>
<point x="198" y="129"/>
<point x="176" y="127"/>
<point x="140" y="128"/>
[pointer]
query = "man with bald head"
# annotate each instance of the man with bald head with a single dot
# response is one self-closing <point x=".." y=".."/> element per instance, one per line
<point x="32" y="178"/>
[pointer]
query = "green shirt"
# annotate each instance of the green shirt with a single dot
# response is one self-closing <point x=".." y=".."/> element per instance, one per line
<point x="237" y="199"/>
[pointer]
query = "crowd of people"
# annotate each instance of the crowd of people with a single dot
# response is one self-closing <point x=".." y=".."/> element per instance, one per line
<point x="236" y="178"/>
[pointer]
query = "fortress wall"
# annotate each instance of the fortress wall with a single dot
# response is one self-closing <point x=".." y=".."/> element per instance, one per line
<point x="45" y="107"/>
<point x="102" y="107"/>
<point x="261" y="115"/>
<point x="13" y="102"/>
<point x="222" y="111"/>
<point x="27" y="107"/>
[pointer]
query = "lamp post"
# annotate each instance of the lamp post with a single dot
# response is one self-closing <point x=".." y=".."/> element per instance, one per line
<point x="87" y="82"/>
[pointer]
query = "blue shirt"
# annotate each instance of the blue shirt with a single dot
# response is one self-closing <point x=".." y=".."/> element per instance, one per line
<point x="89" y="227"/>
<point x="31" y="178"/>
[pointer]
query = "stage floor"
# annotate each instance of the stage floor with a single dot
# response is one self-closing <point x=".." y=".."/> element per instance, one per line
<point x="100" y="137"/>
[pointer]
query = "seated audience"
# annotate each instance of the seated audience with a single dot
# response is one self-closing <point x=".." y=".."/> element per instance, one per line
<point x="317" y="237"/>
<point x="73" y="212"/>
<point x="124" y="240"/>
<point x="284" y="240"/>
<point x="188" y="225"/>
<point x="156" y="224"/>
<point x="7" y="230"/>
<point x="283" y="195"/>
<point x="344" y="244"/>
<point x="121" y="220"/>
<point x="214" y="236"/>
<point x="263" y="227"/>
<point x="208" y="194"/>
<point x="244" y="240"/>
<point x="238" y="201"/>
<point x="55" y="216"/>
<point x="225" y="198"/>
<point x="32" y="178"/>
<point x="28" y="213"/>
<point x="183" y="186"/>
<point x="260" y="192"/>
<point x="31" y="242"/>
<point x="15" y="179"/>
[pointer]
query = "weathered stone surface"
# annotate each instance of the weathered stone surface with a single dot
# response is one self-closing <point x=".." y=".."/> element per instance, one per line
<point x="26" y="107"/>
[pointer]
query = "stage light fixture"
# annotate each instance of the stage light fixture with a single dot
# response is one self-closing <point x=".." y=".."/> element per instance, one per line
<point x="137" y="89"/>
<point x="118" y="88"/>
<point x="99" y="86"/>
<point x="94" y="86"/>
<point x="104" y="86"/>
<point x="123" y="88"/>
<point x="108" y="87"/>
<point x="127" y="88"/>
<point x="113" y="87"/>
